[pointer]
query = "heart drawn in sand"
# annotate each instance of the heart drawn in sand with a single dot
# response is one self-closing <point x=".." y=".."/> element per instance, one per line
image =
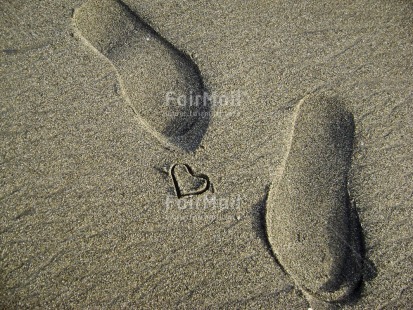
<point x="188" y="183"/>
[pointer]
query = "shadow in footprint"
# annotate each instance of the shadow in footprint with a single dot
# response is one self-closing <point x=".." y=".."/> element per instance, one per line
<point x="260" y="227"/>
<point x="258" y="222"/>
<point x="369" y="271"/>
<point x="161" y="83"/>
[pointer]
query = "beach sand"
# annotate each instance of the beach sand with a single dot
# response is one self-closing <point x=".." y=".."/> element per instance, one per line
<point x="90" y="215"/>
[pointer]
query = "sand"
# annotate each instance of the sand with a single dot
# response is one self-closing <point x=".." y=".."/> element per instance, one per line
<point x="89" y="211"/>
<point x="308" y="210"/>
<point x="169" y="108"/>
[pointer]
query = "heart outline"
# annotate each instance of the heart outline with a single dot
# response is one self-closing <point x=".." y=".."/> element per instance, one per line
<point x="178" y="191"/>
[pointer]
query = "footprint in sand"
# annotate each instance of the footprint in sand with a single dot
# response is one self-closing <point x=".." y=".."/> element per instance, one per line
<point x="311" y="226"/>
<point x="161" y="83"/>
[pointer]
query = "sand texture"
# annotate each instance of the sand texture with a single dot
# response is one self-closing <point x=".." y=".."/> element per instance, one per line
<point x="117" y="192"/>
<point x="111" y="29"/>
<point x="308" y="212"/>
